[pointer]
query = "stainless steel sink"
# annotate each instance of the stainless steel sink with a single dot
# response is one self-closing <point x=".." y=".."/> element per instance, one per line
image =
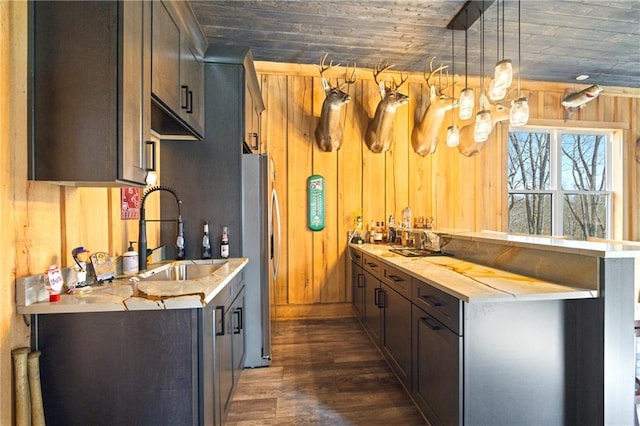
<point x="182" y="270"/>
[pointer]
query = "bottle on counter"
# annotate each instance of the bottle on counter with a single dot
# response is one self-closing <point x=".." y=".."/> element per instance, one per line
<point x="180" y="243"/>
<point x="224" y="243"/>
<point x="206" y="243"/>
<point x="377" y="235"/>
<point x="391" y="233"/>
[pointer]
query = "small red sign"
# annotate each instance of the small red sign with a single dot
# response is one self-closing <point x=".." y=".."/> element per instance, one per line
<point x="130" y="206"/>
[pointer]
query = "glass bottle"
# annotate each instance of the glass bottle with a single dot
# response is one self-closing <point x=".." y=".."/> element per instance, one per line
<point x="224" y="243"/>
<point x="206" y="243"/>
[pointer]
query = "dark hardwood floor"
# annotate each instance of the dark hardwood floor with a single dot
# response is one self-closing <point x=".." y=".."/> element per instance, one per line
<point x="324" y="372"/>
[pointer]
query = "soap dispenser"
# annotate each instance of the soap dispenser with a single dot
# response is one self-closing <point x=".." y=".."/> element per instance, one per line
<point x="130" y="260"/>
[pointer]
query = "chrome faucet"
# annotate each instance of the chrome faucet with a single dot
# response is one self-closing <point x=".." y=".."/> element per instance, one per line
<point x="142" y="228"/>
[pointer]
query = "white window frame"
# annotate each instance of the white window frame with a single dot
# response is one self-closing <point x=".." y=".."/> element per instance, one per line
<point x="613" y="170"/>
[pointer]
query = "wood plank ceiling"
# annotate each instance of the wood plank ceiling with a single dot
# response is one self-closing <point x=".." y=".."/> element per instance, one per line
<point x="559" y="39"/>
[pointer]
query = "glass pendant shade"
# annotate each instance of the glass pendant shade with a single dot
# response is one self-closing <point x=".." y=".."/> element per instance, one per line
<point x="483" y="126"/>
<point x="503" y="75"/>
<point x="519" y="115"/>
<point x="465" y="104"/>
<point x="453" y="136"/>
<point x="496" y="92"/>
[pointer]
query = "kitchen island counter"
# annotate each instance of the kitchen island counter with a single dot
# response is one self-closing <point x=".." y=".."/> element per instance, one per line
<point x="119" y="295"/>
<point x="472" y="282"/>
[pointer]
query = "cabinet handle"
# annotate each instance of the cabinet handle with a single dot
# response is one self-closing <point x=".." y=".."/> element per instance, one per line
<point x="371" y="265"/>
<point x="360" y="281"/>
<point x="429" y="323"/>
<point x="431" y="301"/>
<point x="395" y="278"/>
<point x="215" y="319"/>
<point x="238" y="328"/>
<point x="150" y="154"/>
<point x="380" y="301"/>
<point x="190" y="102"/>
<point x="184" y="97"/>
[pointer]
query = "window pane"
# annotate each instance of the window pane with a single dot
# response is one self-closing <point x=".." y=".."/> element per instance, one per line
<point x="530" y="213"/>
<point x="583" y="162"/>
<point x="585" y="215"/>
<point x="528" y="166"/>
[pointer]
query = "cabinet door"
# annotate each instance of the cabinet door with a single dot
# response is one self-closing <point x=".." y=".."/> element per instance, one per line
<point x="224" y="358"/>
<point x="136" y="93"/>
<point x="191" y="86"/>
<point x="372" y="309"/>
<point x="396" y="343"/>
<point x="165" y="57"/>
<point x="357" y="282"/>
<point x="437" y="370"/>
<point x="239" y="346"/>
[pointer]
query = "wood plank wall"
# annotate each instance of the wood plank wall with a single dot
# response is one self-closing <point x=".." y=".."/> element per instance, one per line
<point x="457" y="191"/>
<point x="40" y="223"/>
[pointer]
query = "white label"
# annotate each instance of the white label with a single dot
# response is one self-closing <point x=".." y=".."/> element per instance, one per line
<point x="224" y="251"/>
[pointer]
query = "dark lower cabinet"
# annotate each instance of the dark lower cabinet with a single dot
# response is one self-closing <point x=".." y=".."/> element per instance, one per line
<point x="396" y="333"/>
<point x="155" y="367"/>
<point x="357" y="284"/>
<point x="229" y="347"/>
<point x="437" y="369"/>
<point x="372" y="317"/>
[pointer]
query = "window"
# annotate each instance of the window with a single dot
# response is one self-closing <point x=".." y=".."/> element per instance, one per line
<point x="560" y="182"/>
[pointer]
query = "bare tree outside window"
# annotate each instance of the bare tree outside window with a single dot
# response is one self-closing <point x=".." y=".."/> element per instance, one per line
<point x="528" y="174"/>
<point x="557" y="181"/>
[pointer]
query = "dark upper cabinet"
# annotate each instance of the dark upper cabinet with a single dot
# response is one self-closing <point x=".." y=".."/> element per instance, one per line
<point x="89" y="92"/>
<point x="177" y="72"/>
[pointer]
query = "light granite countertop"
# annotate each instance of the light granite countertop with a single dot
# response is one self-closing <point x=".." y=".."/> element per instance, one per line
<point x="595" y="247"/>
<point x="474" y="283"/>
<point x="120" y="295"/>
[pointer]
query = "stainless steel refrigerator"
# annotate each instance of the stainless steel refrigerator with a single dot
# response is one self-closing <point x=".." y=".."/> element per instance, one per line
<point x="260" y="229"/>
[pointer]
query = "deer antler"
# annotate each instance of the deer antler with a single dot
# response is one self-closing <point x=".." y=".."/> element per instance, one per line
<point x="396" y="86"/>
<point x="349" y="80"/>
<point x="432" y="71"/>
<point x="380" y="69"/>
<point x="322" y="66"/>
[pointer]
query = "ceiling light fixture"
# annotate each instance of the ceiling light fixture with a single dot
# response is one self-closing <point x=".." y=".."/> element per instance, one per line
<point x="466" y="16"/>
<point x="453" y="133"/>
<point x="466" y="102"/>
<point x="482" y="126"/>
<point x="503" y="71"/>
<point x="582" y="77"/>
<point x="519" y="114"/>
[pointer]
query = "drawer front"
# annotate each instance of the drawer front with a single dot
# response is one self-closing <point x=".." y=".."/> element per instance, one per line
<point x="397" y="280"/>
<point x="372" y="265"/>
<point x="356" y="256"/>
<point x="441" y="305"/>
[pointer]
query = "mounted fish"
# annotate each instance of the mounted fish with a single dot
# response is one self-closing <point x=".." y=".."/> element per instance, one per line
<point x="380" y="128"/>
<point x="424" y="137"/>
<point x="574" y="100"/>
<point x="329" y="129"/>
<point x="468" y="146"/>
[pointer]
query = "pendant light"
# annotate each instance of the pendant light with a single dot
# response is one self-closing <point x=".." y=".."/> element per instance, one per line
<point x="453" y="133"/>
<point x="482" y="126"/>
<point x="519" y="114"/>
<point x="503" y="71"/>
<point x="466" y="101"/>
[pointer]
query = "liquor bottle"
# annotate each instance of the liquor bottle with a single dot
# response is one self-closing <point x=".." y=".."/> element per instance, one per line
<point x="206" y="244"/>
<point x="224" y="244"/>
<point x="180" y="255"/>
<point x="391" y="236"/>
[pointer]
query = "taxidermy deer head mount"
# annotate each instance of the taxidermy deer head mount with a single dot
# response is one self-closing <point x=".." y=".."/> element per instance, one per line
<point x="424" y="137"/>
<point x="329" y="130"/>
<point x="380" y="129"/>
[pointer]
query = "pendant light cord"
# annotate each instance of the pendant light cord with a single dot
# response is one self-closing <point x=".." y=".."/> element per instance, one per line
<point x="466" y="46"/>
<point x="519" y="67"/>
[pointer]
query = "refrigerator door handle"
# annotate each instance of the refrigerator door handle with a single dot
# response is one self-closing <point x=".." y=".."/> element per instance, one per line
<point x="275" y="252"/>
